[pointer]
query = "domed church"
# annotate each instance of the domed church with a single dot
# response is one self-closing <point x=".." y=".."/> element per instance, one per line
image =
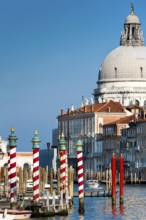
<point x="122" y="75"/>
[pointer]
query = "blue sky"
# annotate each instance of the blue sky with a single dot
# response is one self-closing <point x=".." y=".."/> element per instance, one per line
<point x="50" y="53"/>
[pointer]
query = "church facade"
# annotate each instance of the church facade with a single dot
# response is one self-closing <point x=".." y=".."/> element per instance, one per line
<point x="122" y="75"/>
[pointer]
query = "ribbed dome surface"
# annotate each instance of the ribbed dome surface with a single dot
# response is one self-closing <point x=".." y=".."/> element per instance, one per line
<point x="124" y="62"/>
<point x="132" y="18"/>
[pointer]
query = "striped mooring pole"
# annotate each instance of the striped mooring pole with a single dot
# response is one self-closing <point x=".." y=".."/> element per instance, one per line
<point x="113" y="168"/>
<point x="8" y="153"/>
<point x="66" y="171"/>
<point x="36" y="147"/>
<point x="13" y="181"/>
<point x="121" y="179"/>
<point x="79" y="146"/>
<point x="62" y="148"/>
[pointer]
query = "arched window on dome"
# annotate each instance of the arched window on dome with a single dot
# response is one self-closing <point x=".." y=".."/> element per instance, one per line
<point x="145" y="103"/>
<point x="115" y="72"/>
<point x="141" y="72"/>
<point x="131" y="102"/>
<point x="136" y="102"/>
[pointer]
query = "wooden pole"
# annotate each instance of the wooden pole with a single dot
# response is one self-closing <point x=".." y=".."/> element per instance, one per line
<point x="113" y="167"/>
<point x="121" y="180"/>
<point x="51" y="181"/>
<point x="20" y="181"/>
<point x="7" y="183"/>
<point x="58" y="181"/>
<point x="24" y="180"/>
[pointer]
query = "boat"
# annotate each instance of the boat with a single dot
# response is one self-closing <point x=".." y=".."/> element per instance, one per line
<point x="15" y="214"/>
<point x="94" y="184"/>
<point x="5" y="216"/>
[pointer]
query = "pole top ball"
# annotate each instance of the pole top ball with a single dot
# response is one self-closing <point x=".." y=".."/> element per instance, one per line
<point x="79" y="143"/>
<point x="36" y="133"/>
<point x="62" y="142"/>
<point x="12" y="138"/>
<point x="36" y="140"/>
<point x="12" y="129"/>
<point x="62" y="135"/>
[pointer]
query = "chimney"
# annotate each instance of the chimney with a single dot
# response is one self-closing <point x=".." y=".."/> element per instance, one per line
<point x="91" y="108"/>
<point x="109" y="109"/>
<point x="48" y="145"/>
<point x="62" y="112"/>
<point x="68" y="111"/>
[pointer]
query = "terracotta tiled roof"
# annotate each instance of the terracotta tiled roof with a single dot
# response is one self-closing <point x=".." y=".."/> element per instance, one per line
<point x="133" y="107"/>
<point x="124" y="120"/>
<point x="112" y="106"/>
<point x="109" y="106"/>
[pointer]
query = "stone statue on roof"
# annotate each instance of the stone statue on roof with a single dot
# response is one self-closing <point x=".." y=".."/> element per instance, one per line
<point x="132" y="8"/>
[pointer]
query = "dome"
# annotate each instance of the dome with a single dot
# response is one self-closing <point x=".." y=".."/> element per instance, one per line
<point x="122" y="75"/>
<point x="132" y="19"/>
<point x="124" y="62"/>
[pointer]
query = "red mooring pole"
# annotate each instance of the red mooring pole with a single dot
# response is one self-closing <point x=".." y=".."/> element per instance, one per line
<point x="113" y="168"/>
<point x="121" y="180"/>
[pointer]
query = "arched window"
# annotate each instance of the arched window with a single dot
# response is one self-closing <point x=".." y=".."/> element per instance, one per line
<point x="136" y="102"/>
<point x="6" y="165"/>
<point x="115" y="72"/>
<point x="100" y="129"/>
<point x="141" y="72"/>
<point x="131" y="102"/>
<point x="26" y="166"/>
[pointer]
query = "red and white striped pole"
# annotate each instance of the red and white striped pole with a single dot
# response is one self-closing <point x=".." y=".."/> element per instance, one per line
<point x="66" y="178"/>
<point x="8" y="152"/>
<point x="36" y="147"/>
<point x="79" y="146"/>
<point x="13" y="181"/>
<point x="62" y="148"/>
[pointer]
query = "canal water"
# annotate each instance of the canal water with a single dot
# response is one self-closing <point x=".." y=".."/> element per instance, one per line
<point x="100" y="208"/>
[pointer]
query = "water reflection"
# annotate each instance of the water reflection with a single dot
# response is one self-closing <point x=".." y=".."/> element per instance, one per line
<point x="122" y="209"/>
<point x="114" y="211"/>
<point x="101" y="208"/>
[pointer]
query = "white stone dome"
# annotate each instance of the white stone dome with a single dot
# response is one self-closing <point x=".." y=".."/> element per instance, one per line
<point x="132" y="19"/>
<point x="124" y="62"/>
<point x="122" y="75"/>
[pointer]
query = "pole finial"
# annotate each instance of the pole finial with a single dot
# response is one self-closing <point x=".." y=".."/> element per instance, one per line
<point x="132" y="8"/>
<point x="79" y="137"/>
<point x="62" y="135"/>
<point x="12" y="129"/>
<point x="36" y="132"/>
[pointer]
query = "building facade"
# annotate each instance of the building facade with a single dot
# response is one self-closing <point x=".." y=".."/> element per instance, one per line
<point x="88" y="122"/>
